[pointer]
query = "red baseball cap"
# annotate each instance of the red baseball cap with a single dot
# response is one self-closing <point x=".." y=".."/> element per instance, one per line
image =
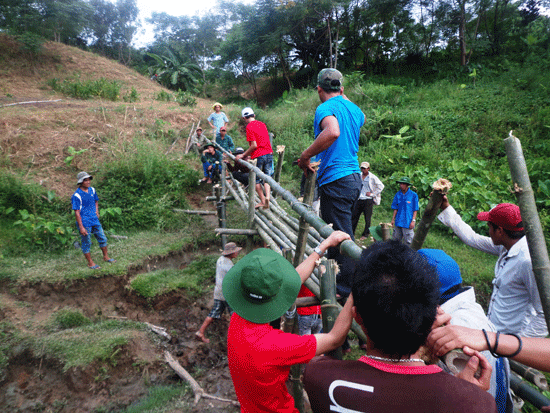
<point x="506" y="216"/>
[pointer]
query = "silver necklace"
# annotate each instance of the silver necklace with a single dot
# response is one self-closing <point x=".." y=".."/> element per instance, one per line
<point x="395" y="360"/>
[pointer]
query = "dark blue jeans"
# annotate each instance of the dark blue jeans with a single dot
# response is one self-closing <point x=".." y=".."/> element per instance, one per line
<point x="338" y="200"/>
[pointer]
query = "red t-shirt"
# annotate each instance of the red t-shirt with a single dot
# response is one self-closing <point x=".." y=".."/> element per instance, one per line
<point x="257" y="131"/>
<point x="314" y="309"/>
<point x="259" y="360"/>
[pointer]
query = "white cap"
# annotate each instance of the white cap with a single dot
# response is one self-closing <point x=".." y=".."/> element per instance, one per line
<point x="365" y="165"/>
<point x="247" y="112"/>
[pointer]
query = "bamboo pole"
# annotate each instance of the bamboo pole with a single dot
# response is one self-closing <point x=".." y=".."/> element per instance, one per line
<point x="526" y="392"/>
<point x="329" y="306"/>
<point x="301" y="241"/>
<point x="196" y="212"/>
<point x="531" y="221"/>
<point x="281" y="152"/>
<point x="236" y="231"/>
<point x="220" y="208"/>
<point x="213" y="198"/>
<point x="187" y="146"/>
<point x="307" y="301"/>
<point x="440" y="188"/>
<point x="530" y="374"/>
<point x="251" y="209"/>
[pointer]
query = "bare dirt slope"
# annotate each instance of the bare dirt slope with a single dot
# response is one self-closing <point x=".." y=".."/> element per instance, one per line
<point x="35" y="136"/>
<point x="34" y="140"/>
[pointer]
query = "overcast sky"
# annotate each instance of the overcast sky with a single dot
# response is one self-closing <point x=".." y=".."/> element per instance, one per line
<point x="172" y="7"/>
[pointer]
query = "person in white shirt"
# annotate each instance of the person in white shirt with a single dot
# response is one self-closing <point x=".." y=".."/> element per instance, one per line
<point x="369" y="196"/>
<point x="515" y="305"/>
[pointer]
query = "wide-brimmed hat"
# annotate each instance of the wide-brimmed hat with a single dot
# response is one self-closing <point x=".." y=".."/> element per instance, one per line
<point x="507" y="216"/>
<point x="81" y="176"/>
<point x="231" y="248"/>
<point x="261" y="286"/>
<point x="376" y="233"/>
<point x="217" y="104"/>
<point x="404" y="180"/>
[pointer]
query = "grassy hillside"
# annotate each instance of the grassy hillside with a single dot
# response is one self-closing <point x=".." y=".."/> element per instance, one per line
<point x="131" y="135"/>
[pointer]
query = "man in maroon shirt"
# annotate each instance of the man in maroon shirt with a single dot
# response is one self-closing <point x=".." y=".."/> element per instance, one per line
<point x="396" y="293"/>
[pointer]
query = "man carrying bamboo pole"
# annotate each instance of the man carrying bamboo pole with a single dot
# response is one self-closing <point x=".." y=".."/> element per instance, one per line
<point x="515" y="305"/>
<point x="260" y="288"/>
<point x="396" y="295"/>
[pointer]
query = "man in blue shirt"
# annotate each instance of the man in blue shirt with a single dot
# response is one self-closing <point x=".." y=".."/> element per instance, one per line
<point x="405" y="208"/>
<point x="225" y="141"/>
<point x="85" y="206"/>
<point x="336" y="127"/>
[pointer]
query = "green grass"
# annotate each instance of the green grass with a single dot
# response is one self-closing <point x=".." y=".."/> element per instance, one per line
<point x="193" y="279"/>
<point x="162" y="399"/>
<point x="70" y="264"/>
<point x="81" y="346"/>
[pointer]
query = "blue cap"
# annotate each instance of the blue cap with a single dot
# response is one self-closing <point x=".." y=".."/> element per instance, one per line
<point x="447" y="269"/>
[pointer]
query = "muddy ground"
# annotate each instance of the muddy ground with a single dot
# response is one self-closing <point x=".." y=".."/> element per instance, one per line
<point x="39" y="385"/>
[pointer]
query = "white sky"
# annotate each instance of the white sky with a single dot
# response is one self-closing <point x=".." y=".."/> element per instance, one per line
<point x="176" y="8"/>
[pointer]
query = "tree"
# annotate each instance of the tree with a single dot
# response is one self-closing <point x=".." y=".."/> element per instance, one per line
<point x="175" y="71"/>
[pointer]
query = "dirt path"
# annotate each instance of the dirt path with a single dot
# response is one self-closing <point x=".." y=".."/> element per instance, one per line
<point x="38" y="384"/>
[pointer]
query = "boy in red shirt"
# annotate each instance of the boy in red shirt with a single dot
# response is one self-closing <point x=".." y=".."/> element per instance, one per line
<point x="260" y="149"/>
<point x="260" y="288"/>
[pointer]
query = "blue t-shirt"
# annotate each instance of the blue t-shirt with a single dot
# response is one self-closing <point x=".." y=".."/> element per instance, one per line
<point x="405" y="203"/>
<point x="85" y="203"/>
<point x="218" y="120"/>
<point x="340" y="159"/>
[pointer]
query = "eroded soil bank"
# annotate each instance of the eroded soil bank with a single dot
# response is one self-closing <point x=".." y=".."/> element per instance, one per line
<point x="34" y="383"/>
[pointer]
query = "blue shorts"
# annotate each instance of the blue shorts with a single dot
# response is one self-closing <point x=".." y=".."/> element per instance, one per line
<point x="265" y="164"/>
<point x="218" y="308"/>
<point x="86" y="241"/>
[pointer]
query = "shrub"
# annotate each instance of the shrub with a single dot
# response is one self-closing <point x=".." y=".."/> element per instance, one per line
<point x="69" y="318"/>
<point x="131" y="96"/>
<point x="185" y="98"/>
<point x="88" y="89"/>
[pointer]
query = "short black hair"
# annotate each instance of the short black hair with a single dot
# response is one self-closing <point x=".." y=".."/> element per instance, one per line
<point x="396" y="293"/>
<point x="510" y="233"/>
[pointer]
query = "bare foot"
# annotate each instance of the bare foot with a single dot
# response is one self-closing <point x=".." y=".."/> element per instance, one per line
<point x="204" y="179"/>
<point x="201" y="337"/>
<point x="209" y="181"/>
<point x="260" y="205"/>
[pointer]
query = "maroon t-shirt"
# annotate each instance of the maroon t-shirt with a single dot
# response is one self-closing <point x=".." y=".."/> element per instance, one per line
<point x="366" y="385"/>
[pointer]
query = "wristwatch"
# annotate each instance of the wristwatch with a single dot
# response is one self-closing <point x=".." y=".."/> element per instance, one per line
<point x="319" y="251"/>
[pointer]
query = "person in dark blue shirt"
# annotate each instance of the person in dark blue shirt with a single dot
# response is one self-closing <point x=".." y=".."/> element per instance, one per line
<point x="405" y="208"/>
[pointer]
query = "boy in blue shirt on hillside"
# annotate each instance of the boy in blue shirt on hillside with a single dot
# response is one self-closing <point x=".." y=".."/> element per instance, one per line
<point x="85" y="205"/>
<point x="405" y="208"/>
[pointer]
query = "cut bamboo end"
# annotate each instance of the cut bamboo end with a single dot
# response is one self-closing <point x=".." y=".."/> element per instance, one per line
<point x="456" y="360"/>
<point x="443" y="185"/>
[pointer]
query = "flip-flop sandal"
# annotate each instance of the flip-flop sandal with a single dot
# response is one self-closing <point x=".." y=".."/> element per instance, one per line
<point x="111" y="260"/>
<point x="94" y="267"/>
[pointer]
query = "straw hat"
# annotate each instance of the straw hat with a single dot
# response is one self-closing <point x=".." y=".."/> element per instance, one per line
<point x="231" y="248"/>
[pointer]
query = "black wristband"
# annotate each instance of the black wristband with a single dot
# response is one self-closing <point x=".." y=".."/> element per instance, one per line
<point x="520" y="346"/>
<point x="491" y="350"/>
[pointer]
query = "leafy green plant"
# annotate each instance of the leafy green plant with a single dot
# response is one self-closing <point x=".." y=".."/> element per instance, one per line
<point x="88" y="89"/>
<point x="37" y="231"/>
<point x="185" y="99"/>
<point x="399" y="138"/>
<point x="111" y="217"/>
<point x="73" y="153"/>
<point x="131" y="96"/>
<point x="164" y="96"/>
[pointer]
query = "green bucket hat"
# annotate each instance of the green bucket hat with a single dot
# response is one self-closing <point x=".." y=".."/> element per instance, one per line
<point x="376" y="232"/>
<point x="261" y="286"/>
<point x="404" y="180"/>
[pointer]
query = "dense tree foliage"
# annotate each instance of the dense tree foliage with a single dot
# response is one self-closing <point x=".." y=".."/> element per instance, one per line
<point x="293" y="39"/>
